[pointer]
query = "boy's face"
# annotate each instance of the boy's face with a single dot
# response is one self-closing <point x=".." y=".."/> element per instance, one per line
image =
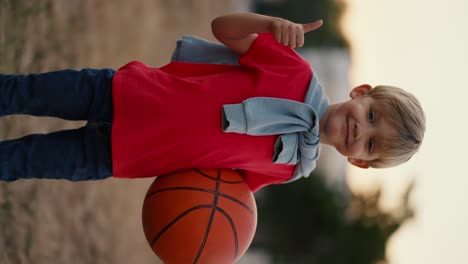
<point x="357" y="128"/>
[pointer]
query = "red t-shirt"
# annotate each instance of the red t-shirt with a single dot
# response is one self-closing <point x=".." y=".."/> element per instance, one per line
<point x="169" y="118"/>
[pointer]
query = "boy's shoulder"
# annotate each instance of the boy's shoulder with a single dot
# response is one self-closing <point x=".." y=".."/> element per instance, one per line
<point x="198" y="50"/>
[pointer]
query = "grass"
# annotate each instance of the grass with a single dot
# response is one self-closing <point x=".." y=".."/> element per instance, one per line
<point x="91" y="222"/>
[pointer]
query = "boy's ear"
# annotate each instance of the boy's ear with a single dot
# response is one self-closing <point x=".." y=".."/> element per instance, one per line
<point x="360" y="90"/>
<point x="358" y="163"/>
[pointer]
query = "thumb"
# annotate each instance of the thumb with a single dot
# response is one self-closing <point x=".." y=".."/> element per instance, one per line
<point x="312" y="26"/>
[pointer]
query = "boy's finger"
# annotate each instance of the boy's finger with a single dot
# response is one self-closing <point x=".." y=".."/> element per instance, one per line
<point x="312" y="26"/>
<point x="285" y="37"/>
<point x="300" y="40"/>
<point x="278" y="36"/>
<point x="292" y="39"/>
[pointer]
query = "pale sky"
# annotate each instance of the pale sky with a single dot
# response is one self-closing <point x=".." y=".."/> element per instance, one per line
<point x="421" y="46"/>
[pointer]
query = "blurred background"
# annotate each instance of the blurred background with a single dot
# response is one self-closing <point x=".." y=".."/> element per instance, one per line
<point x="411" y="214"/>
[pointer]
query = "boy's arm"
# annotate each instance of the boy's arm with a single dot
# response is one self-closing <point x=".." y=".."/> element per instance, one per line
<point x="238" y="31"/>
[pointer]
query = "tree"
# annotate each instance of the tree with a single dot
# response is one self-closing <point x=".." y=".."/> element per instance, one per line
<point x="307" y="222"/>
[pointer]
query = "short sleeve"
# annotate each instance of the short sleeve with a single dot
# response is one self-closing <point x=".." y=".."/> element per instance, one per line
<point x="265" y="52"/>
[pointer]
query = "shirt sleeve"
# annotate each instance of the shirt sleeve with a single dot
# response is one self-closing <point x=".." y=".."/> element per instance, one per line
<point x="266" y="53"/>
<point x="256" y="181"/>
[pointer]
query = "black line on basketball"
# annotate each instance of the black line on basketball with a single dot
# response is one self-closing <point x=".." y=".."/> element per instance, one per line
<point x="210" y="221"/>
<point x="215" y="179"/>
<point x="158" y="235"/>
<point x="150" y="195"/>
<point x="234" y="231"/>
<point x="238" y="202"/>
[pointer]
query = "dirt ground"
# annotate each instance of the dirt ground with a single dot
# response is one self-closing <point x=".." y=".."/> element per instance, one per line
<point x="93" y="222"/>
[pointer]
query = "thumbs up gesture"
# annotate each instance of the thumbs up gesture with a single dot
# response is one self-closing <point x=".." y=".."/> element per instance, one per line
<point x="292" y="34"/>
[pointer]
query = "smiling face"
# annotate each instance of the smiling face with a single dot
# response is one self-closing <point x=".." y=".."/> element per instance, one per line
<point x="357" y="128"/>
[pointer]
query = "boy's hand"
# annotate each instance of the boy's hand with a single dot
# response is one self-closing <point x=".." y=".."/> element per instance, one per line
<point x="292" y="34"/>
<point x="238" y="30"/>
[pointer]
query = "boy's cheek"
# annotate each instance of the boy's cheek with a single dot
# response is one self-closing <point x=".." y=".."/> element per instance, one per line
<point x="353" y="151"/>
<point x="342" y="151"/>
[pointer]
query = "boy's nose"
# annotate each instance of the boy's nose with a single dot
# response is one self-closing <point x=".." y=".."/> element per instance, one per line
<point x="356" y="131"/>
<point x="361" y="131"/>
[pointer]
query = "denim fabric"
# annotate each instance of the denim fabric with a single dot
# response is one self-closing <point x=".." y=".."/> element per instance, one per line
<point x="77" y="154"/>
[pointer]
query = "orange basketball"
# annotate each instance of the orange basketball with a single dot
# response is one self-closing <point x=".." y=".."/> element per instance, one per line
<point x="199" y="216"/>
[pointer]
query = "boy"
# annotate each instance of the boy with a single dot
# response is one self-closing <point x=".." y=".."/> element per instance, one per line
<point x="259" y="114"/>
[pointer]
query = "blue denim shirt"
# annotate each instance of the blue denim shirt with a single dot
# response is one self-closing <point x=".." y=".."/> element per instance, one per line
<point x="296" y="123"/>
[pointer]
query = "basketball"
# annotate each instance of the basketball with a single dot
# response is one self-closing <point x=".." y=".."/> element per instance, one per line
<point x="199" y="216"/>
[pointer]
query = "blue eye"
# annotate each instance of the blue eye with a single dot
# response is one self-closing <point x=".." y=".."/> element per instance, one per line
<point x="370" y="145"/>
<point x="371" y="116"/>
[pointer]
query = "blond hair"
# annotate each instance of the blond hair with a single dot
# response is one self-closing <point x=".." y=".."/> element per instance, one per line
<point x="404" y="112"/>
